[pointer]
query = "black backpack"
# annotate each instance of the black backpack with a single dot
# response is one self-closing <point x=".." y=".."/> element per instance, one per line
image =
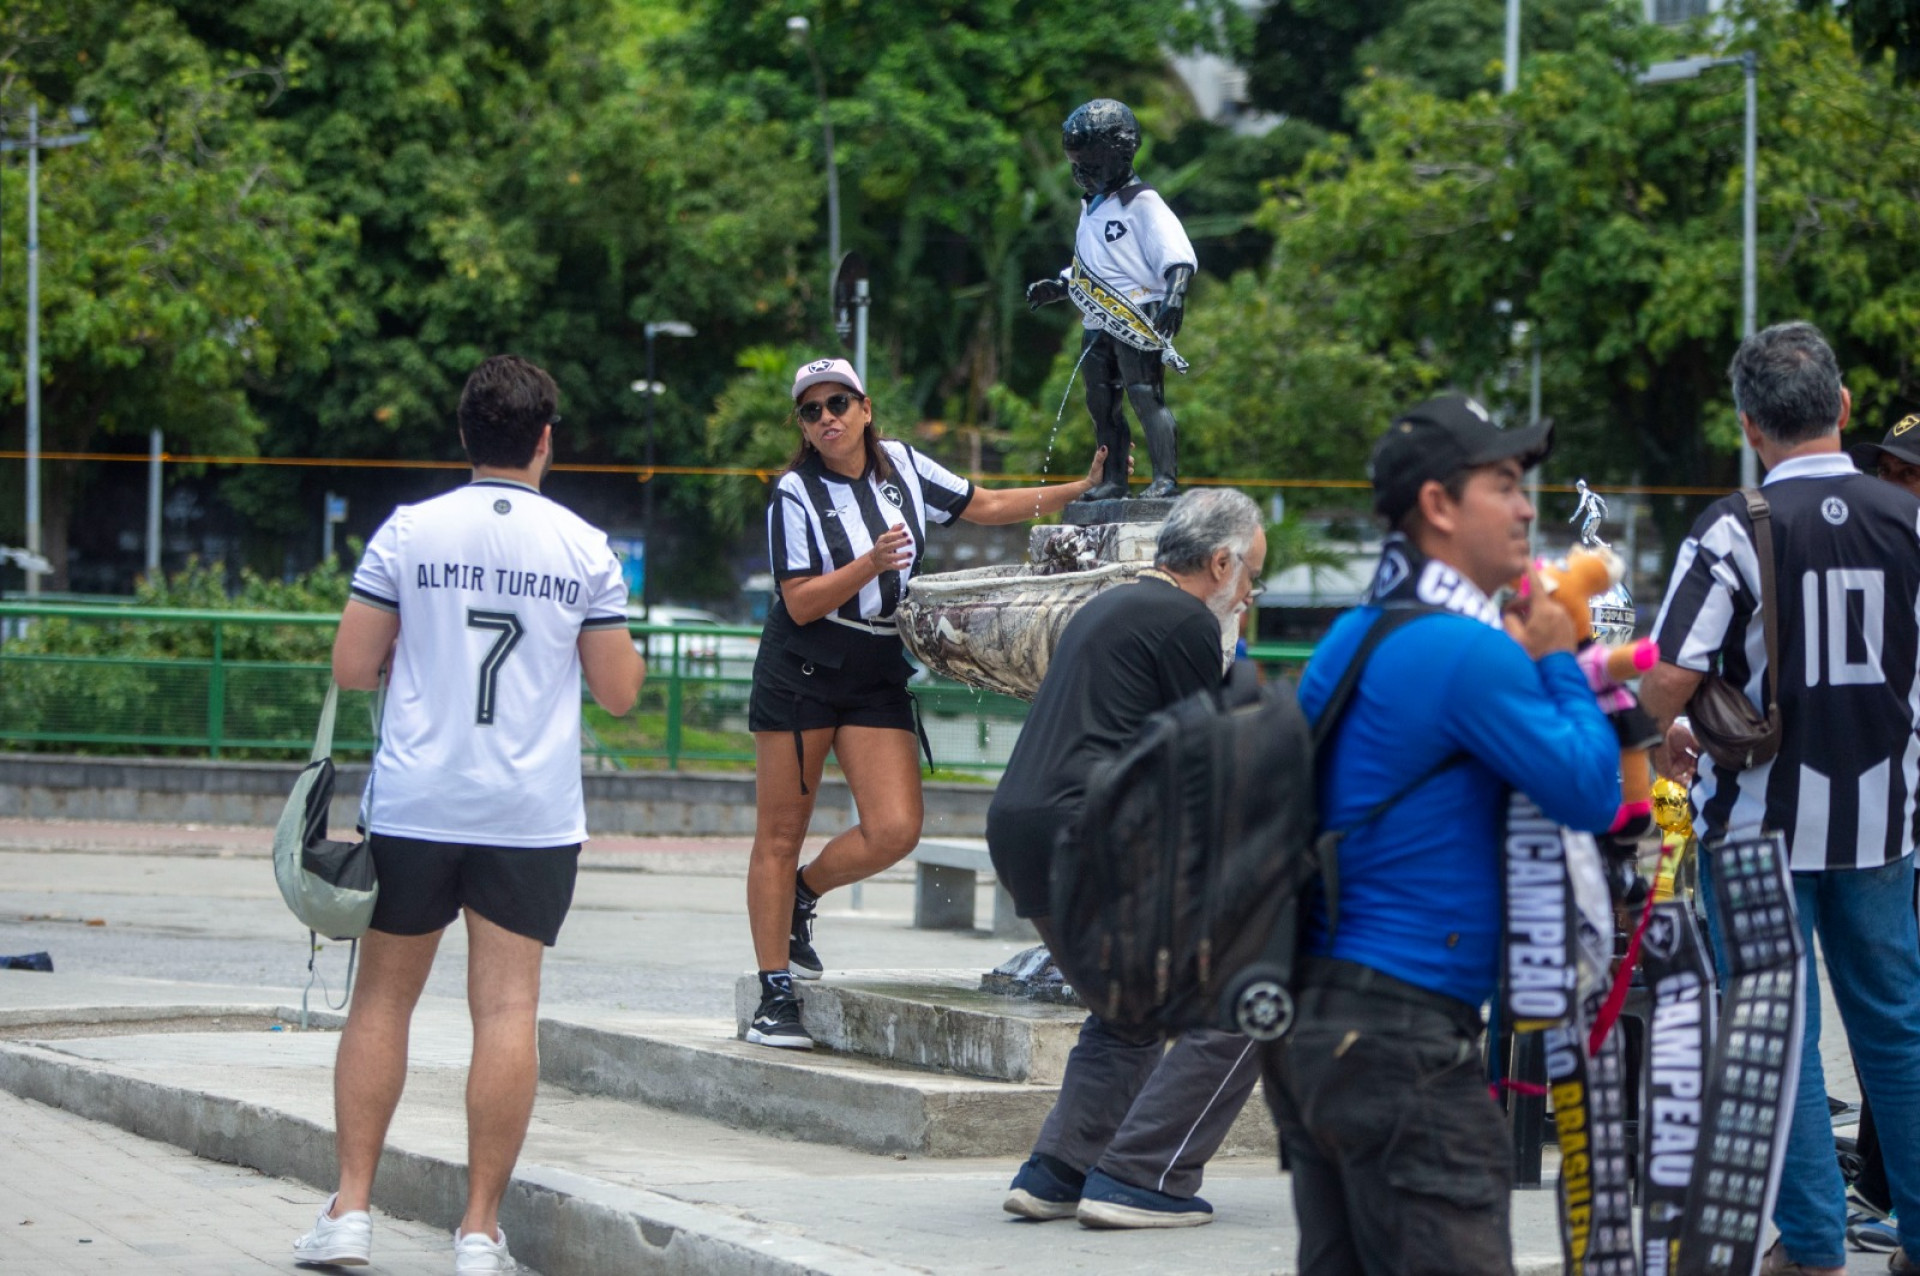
<point x="1176" y="897"/>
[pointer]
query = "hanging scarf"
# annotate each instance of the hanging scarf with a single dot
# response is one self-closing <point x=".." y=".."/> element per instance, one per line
<point x="1678" y="1041"/>
<point x="1540" y="978"/>
<point x="1588" y="1088"/>
<point x="1756" y="1061"/>
<point x="1596" y="1183"/>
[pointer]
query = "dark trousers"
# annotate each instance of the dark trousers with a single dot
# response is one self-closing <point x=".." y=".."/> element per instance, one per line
<point x="1400" y="1158"/>
<point x="1149" y="1115"/>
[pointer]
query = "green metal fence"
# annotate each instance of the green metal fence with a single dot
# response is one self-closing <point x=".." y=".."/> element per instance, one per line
<point x="137" y="680"/>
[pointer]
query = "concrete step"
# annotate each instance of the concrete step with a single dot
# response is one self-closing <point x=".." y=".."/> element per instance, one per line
<point x="931" y="1019"/>
<point x="881" y="1099"/>
<point x="821" y="1095"/>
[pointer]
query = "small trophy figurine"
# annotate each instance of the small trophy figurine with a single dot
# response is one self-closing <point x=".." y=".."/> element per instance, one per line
<point x="1613" y="615"/>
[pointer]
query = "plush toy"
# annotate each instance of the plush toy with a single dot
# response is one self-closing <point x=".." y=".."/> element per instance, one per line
<point x="1590" y="571"/>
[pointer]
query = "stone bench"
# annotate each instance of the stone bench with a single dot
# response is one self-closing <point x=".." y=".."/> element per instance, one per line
<point x="946" y="872"/>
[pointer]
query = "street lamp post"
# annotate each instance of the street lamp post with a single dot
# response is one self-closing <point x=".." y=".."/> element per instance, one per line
<point x="1749" y="63"/>
<point x="651" y="388"/>
<point x="1510" y="83"/>
<point x="33" y="145"/>
<point x="802" y="30"/>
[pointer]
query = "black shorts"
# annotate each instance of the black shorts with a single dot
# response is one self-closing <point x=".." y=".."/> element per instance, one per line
<point x="424" y="885"/>
<point x="791" y="694"/>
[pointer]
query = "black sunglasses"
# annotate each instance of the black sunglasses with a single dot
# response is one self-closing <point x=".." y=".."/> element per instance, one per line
<point x="834" y="403"/>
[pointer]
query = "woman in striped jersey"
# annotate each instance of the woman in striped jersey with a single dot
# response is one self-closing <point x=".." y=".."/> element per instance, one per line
<point x="846" y="528"/>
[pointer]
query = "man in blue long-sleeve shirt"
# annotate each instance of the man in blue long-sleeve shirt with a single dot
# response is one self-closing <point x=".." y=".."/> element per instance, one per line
<point x="1400" y="1159"/>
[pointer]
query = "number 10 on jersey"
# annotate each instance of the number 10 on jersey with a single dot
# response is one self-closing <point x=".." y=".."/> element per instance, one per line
<point x="1853" y="596"/>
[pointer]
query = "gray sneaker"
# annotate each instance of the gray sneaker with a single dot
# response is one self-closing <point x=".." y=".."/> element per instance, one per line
<point x="346" y="1241"/>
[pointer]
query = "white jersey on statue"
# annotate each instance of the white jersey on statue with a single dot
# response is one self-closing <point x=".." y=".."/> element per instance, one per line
<point x="1128" y="240"/>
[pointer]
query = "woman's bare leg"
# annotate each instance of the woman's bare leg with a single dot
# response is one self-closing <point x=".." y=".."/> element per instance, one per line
<point x="782" y="813"/>
<point x="882" y="766"/>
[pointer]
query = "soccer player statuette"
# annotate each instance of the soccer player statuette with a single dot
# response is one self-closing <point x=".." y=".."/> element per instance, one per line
<point x="1132" y="266"/>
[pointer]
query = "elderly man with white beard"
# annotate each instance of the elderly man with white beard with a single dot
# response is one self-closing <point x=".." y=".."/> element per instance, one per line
<point x="1133" y="1128"/>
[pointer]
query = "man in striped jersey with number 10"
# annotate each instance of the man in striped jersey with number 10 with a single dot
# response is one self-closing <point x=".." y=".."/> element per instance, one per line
<point x="485" y="605"/>
<point x="1844" y="784"/>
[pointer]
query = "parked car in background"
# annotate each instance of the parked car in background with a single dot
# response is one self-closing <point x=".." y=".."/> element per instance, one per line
<point x="724" y="653"/>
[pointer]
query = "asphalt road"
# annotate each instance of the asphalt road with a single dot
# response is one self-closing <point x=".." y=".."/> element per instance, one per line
<point x="658" y="925"/>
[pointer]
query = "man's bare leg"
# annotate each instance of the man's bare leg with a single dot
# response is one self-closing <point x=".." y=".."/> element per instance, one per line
<point x="503" y="995"/>
<point x="370" y="1068"/>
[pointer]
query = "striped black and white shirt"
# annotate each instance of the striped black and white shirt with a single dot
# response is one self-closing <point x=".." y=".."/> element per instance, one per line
<point x="1847" y="569"/>
<point x="819" y="521"/>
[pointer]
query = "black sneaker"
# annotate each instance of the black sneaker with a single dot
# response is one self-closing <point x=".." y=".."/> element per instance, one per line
<point x="777" y="1023"/>
<point x="1045" y="1188"/>
<point x="801" y="959"/>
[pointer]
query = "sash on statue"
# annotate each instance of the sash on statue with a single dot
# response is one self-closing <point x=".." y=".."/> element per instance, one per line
<point x="1678" y="1042"/>
<point x="1756" y="1061"/>
<point x="1116" y="314"/>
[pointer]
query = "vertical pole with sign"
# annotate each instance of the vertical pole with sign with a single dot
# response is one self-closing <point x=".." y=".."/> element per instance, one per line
<point x="154" y="455"/>
<point x="336" y="513"/>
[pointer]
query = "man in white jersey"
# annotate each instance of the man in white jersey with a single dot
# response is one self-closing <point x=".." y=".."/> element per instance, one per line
<point x="483" y="607"/>
<point x="1132" y="265"/>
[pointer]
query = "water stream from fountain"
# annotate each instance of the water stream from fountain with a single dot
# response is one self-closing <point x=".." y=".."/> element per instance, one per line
<point x="1046" y="465"/>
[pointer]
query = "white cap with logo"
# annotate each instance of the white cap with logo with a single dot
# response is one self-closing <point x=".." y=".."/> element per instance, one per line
<point x="826" y="370"/>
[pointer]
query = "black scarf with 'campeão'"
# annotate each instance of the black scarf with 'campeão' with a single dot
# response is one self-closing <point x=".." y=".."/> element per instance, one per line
<point x="1404" y="577"/>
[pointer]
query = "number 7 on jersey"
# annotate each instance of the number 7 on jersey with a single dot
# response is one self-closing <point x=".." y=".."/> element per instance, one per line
<point x="508" y="625"/>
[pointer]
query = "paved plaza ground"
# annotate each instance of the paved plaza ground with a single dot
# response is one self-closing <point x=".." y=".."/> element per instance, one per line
<point x="146" y="916"/>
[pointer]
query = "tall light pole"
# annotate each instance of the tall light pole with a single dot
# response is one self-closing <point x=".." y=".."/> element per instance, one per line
<point x="1749" y="63"/>
<point x="651" y="388"/>
<point x="1510" y="66"/>
<point x="1509" y="82"/>
<point x="33" y="146"/>
<point x="800" y="29"/>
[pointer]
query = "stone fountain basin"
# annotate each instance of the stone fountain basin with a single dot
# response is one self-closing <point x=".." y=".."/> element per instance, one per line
<point x="996" y="627"/>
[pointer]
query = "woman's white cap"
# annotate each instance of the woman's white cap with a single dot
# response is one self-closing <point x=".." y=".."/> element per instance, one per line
<point x="826" y="370"/>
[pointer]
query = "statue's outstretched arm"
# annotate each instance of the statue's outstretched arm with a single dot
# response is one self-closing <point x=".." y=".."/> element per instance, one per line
<point x="1044" y="292"/>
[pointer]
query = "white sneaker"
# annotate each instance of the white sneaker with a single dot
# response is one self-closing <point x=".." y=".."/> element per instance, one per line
<point x="346" y="1241"/>
<point x="474" y="1254"/>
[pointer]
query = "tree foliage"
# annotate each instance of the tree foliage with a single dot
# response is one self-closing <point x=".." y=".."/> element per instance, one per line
<point x="302" y="221"/>
<point x="183" y="268"/>
<point x="1883" y="28"/>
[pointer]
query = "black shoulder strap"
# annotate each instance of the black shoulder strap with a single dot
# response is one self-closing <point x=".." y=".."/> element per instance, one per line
<point x="1391" y="618"/>
<point x="1327" y="845"/>
<point x="1760" y="515"/>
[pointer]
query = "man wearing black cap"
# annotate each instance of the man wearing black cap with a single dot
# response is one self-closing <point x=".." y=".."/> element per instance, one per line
<point x="1895" y="458"/>
<point x="1400" y="1159"/>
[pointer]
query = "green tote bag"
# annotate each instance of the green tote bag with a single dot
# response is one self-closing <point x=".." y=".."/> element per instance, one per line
<point x="329" y="885"/>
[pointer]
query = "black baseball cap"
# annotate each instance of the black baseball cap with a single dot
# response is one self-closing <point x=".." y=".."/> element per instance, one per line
<point x="1902" y="443"/>
<point x="1437" y="439"/>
